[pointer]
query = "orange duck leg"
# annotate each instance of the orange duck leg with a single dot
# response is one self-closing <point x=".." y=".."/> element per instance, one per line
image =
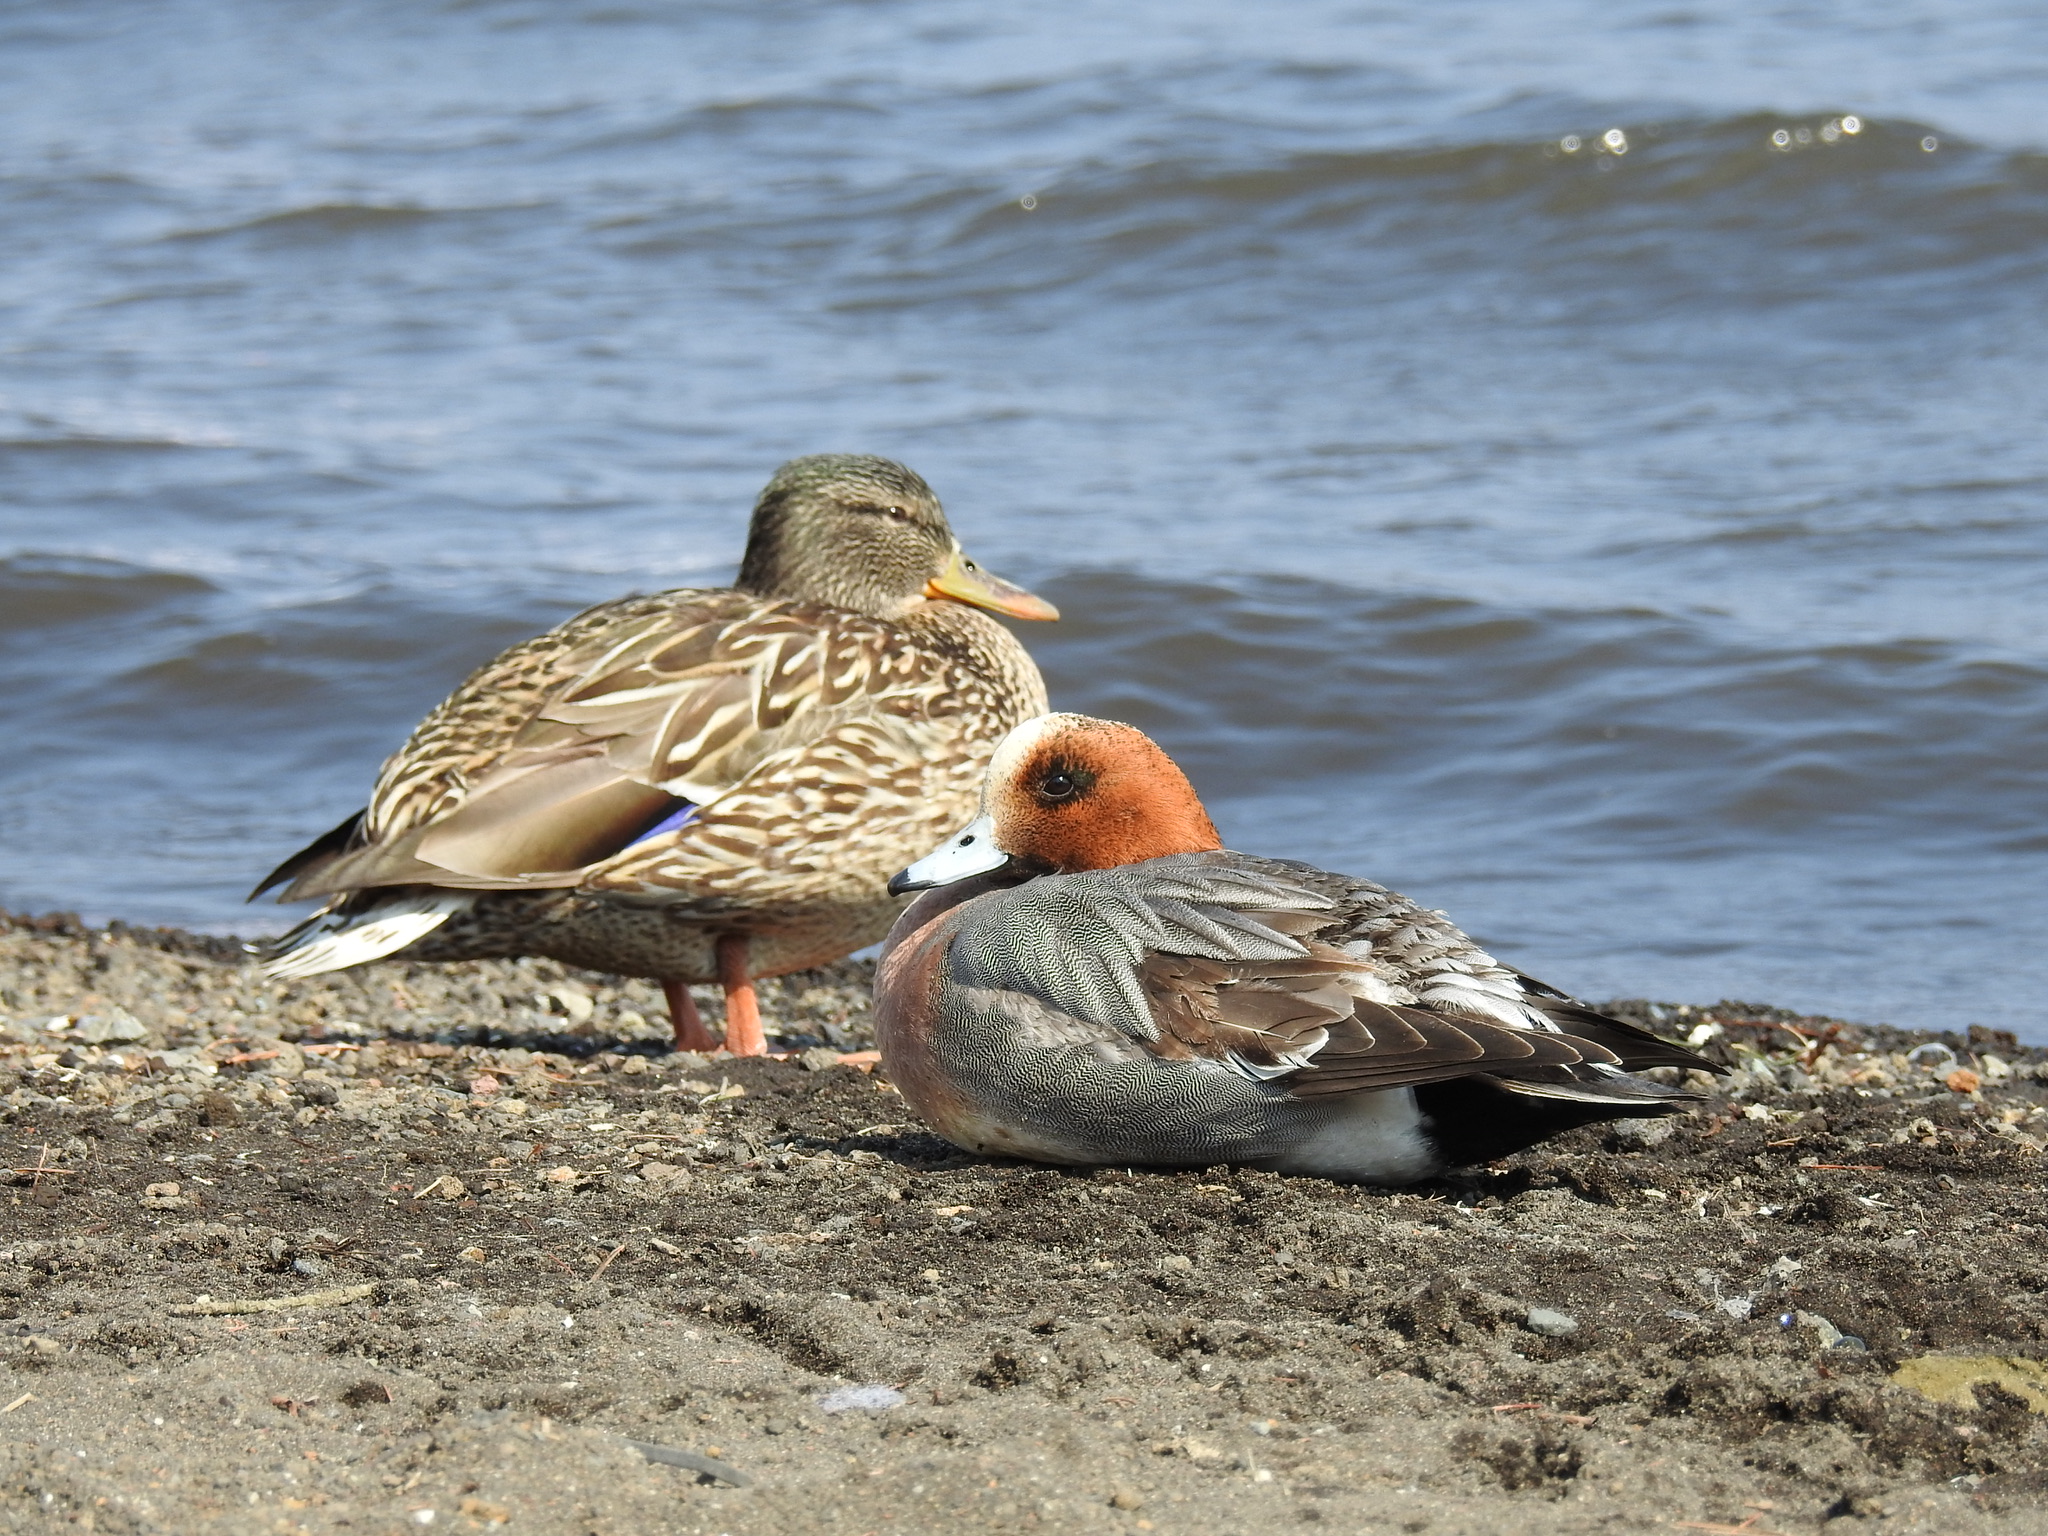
<point x="691" y="1035"/>
<point x="743" y="1033"/>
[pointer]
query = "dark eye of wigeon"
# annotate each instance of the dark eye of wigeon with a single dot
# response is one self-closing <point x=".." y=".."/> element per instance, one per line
<point x="1062" y="783"/>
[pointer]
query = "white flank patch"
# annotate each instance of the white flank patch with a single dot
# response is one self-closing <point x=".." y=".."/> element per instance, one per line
<point x="337" y="941"/>
<point x="1375" y="1137"/>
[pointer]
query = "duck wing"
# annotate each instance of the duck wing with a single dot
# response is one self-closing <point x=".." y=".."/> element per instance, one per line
<point x="1231" y="961"/>
<point x="630" y="721"/>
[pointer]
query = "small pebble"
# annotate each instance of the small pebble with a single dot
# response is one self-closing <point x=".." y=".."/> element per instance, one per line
<point x="1644" y="1133"/>
<point x="873" y="1397"/>
<point x="1552" y="1324"/>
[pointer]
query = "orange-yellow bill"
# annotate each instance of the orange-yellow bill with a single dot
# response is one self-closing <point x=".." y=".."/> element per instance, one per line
<point x="965" y="582"/>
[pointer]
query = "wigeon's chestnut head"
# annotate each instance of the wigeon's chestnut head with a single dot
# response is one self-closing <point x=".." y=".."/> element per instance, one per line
<point x="1067" y="793"/>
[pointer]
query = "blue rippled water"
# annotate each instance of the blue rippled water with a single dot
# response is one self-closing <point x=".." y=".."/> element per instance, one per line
<point x="1579" y="464"/>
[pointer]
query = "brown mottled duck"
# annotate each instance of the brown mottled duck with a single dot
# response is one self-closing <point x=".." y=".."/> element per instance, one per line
<point x="699" y="785"/>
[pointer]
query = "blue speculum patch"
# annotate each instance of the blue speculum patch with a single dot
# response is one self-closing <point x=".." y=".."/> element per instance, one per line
<point x="681" y="816"/>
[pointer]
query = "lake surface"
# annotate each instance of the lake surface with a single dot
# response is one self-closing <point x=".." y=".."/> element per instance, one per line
<point x="1582" y="465"/>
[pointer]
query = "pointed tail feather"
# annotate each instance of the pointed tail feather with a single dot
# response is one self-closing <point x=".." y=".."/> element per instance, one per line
<point x="322" y="850"/>
<point x="351" y="931"/>
<point x="1597" y="1084"/>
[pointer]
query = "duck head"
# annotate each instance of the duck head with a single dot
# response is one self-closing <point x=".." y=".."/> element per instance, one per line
<point x="867" y="534"/>
<point x="1066" y="793"/>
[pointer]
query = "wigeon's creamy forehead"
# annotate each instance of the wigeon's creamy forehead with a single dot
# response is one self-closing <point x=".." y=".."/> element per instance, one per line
<point x="1023" y="746"/>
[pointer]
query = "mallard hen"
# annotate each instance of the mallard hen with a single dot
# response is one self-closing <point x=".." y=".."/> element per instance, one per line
<point x="696" y="785"/>
<point x="1092" y="978"/>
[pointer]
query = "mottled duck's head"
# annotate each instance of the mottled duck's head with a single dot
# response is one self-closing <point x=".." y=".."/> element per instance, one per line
<point x="867" y="534"/>
<point x="1067" y="793"/>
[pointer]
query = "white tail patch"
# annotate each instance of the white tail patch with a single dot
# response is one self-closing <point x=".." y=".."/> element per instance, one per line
<point x="336" y="940"/>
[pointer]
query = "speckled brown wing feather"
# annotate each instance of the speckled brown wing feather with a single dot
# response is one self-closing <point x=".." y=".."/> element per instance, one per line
<point x="1303" y="1020"/>
<point x="792" y="724"/>
<point x="467" y="736"/>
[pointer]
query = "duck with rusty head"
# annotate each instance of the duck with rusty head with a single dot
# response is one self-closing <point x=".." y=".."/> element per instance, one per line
<point x="1090" y="977"/>
<point x="698" y="785"/>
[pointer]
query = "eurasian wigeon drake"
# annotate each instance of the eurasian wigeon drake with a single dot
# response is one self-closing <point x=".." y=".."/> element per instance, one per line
<point x="696" y="785"/>
<point x="1092" y="978"/>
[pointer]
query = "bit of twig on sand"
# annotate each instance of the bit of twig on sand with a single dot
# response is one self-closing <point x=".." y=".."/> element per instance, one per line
<point x="339" y="1296"/>
<point x="26" y="1397"/>
<point x="43" y="1166"/>
<point x="598" y="1273"/>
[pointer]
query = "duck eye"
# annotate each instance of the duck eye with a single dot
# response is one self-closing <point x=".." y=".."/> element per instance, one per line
<point x="1056" y="786"/>
<point x="897" y="514"/>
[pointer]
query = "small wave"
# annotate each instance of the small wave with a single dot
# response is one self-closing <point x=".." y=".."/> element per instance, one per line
<point x="330" y="221"/>
<point x="39" y="592"/>
<point x="1696" y="203"/>
<point x="726" y="118"/>
<point x="86" y="444"/>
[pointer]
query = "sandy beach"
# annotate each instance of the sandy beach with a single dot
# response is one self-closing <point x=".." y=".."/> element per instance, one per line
<point x="459" y="1247"/>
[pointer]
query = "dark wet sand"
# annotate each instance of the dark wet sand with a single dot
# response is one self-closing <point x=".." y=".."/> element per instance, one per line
<point x="619" y="1245"/>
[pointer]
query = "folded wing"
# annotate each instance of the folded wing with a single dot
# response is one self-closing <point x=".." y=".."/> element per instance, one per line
<point x="561" y="754"/>
<point x="1207" y="957"/>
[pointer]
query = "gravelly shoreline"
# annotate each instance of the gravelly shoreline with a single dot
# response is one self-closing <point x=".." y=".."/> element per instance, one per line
<point x="541" y="1238"/>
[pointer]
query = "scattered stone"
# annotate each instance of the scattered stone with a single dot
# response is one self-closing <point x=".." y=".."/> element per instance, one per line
<point x="1644" y="1133"/>
<point x="871" y="1398"/>
<point x="1552" y="1324"/>
<point x="1126" y="1498"/>
<point x="114" y="1026"/>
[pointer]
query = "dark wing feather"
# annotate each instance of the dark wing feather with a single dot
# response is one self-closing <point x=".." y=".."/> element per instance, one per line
<point x="322" y="851"/>
<point x="1635" y="1048"/>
